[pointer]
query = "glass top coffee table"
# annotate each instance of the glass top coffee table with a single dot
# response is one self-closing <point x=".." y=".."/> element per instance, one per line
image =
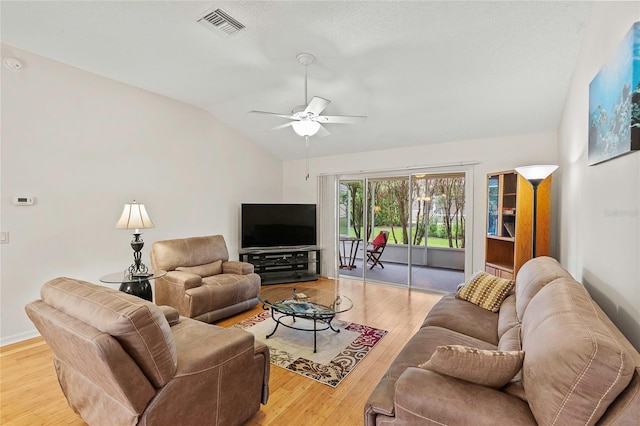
<point x="319" y="306"/>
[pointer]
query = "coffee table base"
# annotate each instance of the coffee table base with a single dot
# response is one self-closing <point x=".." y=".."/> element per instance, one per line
<point x="325" y="319"/>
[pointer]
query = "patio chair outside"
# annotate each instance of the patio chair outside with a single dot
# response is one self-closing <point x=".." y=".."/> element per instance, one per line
<point x="378" y="245"/>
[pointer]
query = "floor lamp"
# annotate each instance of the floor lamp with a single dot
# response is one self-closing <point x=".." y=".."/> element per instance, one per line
<point x="535" y="175"/>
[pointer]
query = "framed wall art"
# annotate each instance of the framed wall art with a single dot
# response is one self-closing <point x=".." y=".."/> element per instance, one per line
<point x="614" y="103"/>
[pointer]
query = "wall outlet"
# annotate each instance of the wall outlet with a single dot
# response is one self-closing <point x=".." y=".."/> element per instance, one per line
<point x="4" y="237"/>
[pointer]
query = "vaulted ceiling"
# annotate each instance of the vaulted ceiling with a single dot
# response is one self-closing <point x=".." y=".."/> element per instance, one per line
<point x="421" y="71"/>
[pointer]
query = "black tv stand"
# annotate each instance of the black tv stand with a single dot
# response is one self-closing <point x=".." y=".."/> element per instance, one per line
<point x="284" y="265"/>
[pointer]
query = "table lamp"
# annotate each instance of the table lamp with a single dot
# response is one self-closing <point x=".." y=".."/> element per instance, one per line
<point x="535" y="175"/>
<point x="134" y="216"/>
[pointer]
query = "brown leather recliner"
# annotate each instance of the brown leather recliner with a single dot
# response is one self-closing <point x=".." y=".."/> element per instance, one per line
<point x="123" y="360"/>
<point x="201" y="282"/>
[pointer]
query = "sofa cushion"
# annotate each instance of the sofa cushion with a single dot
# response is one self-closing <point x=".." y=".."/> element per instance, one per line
<point x="575" y="366"/>
<point x="193" y="251"/>
<point x="206" y="270"/>
<point x="465" y="318"/>
<point x="486" y="290"/>
<point x="418" y="350"/>
<point x="534" y="275"/>
<point x="139" y="326"/>
<point x="220" y="291"/>
<point x="485" y="367"/>
<point x="511" y="340"/>
<point x="424" y="343"/>
<point x="507" y="318"/>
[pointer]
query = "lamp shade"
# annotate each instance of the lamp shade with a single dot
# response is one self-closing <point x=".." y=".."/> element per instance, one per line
<point x="305" y="127"/>
<point x="134" y="216"/>
<point x="536" y="172"/>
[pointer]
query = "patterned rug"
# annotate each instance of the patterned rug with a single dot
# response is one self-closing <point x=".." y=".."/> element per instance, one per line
<point x="338" y="353"/>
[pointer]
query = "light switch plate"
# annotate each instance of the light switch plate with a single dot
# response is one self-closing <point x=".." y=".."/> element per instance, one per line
<point x="4" y="237"/>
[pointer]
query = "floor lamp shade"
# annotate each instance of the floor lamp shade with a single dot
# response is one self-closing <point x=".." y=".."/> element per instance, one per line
<point x="135" y="216"/>
<point x="535" y="175"/>
<point x="537" y="172"/>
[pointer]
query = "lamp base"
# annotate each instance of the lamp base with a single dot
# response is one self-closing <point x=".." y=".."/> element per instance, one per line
<point x="140" y="288"/>
<point x="137" y="268"/>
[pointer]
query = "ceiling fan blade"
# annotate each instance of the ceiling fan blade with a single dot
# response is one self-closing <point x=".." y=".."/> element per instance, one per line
<point x="322" y="132"/>
<point x="317" y="105"/>
<point x="341" y="119"/>
<point x="282" y="126"/>
<point x="276" y="114"/>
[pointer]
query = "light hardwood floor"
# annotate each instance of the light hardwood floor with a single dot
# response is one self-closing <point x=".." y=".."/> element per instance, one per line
<point x="30" y="394"/>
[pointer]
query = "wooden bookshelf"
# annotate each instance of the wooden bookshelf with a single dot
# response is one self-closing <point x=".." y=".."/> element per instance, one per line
<point x="510" y="219"/>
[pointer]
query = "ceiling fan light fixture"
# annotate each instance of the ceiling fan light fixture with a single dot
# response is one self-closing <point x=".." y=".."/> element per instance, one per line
<point x="305" y="127"/>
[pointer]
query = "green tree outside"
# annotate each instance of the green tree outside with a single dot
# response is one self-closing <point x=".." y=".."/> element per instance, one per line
<point x="438" y="210"/>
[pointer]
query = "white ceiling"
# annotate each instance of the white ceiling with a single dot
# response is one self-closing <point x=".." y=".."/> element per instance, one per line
<point x="422" y="71"/>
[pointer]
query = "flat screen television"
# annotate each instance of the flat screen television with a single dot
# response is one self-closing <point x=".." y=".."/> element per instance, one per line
<point x="278" y="225"/>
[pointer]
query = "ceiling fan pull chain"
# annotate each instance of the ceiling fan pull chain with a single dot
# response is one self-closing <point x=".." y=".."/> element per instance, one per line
<point x="306" y="149"/>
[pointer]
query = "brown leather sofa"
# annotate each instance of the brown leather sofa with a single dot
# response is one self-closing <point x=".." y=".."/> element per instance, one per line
<point x="121" y="360"/>
<point x="201" y="282"/>
<point x="578" y="369"/>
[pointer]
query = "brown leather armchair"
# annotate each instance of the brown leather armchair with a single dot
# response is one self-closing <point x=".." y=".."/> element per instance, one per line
<point x="123" y="360"/>
<point x="201" y="282"/>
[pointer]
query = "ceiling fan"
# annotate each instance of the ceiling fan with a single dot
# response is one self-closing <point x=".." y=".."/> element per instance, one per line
<point x="307" y="119"/>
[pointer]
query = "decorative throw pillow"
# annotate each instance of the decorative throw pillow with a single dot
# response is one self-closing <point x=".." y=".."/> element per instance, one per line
<point x="484" y="367"/>
<point x="486" y="291"/>
<point x="206" y="270"/>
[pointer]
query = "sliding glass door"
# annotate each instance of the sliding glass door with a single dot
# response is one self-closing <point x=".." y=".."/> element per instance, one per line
<point x="439" y="228"/>
<point x="351" y="226"/>
<point x="389" y="229"/>
<point x="374" y="228"/>
<point x="407" y="229"/>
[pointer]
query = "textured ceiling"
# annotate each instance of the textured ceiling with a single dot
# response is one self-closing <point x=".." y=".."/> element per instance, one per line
<point x="422" y="71"/>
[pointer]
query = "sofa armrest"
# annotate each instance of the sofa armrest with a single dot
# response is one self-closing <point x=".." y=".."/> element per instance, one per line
<point x="210" y="349"/>
<point x="184" y="279"/>
<point x="217" y="370"/>
<point x="429" y="396"/>
<point x="237" y="267"/>
<point x="171" y="314"/>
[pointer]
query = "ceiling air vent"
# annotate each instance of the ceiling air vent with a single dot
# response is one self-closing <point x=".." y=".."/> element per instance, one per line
<point x="220" y="22"/>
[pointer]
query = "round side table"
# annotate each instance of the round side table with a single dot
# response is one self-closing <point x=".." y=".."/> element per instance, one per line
<point x="138" y="285"/>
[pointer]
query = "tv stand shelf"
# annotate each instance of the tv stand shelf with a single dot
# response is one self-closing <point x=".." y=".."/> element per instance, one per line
<point x="284" y="265"/>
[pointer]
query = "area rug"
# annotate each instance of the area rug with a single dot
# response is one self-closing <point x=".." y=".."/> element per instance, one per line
<point x="338" y="353"/>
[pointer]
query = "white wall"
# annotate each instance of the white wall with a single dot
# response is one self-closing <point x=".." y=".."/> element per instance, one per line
<point x="83" y="145"/>
<point x="599" y="242"/>
<point x="494" y="154"/>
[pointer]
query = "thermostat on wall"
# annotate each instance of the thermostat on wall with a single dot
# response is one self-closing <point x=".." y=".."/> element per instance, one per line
<point x="22" y="201"/>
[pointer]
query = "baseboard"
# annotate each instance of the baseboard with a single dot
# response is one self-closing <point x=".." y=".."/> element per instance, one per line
<point x="18" y="337"/>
